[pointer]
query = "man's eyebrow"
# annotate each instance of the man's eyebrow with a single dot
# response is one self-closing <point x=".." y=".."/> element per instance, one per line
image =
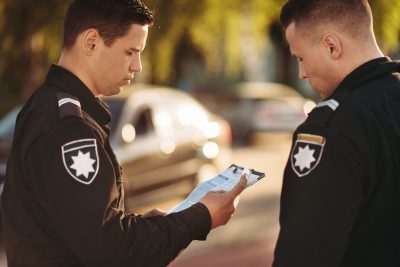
<point x="135" y="49"/>
<point x="295" y="57"/>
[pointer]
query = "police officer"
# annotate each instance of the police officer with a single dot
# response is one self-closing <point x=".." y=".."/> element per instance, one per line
<point x="340" y="202"/>
<point x="62" y="203"/>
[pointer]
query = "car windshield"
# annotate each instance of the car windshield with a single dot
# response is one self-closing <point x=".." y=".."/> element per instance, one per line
<point x="115" y="105"/>
<point x="7" y="123"/>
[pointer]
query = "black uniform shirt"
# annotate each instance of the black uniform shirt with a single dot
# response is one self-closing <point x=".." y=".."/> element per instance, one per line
<point x="63" y="204"/>
<point x="340" y="202"/>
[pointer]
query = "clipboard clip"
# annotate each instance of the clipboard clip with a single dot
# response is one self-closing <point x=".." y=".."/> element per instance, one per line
<point x="236" y="168"/>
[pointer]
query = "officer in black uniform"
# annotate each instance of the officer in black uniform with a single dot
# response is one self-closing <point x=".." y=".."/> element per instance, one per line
<point x="340" y="202"/>
<point x="63" y="202"/>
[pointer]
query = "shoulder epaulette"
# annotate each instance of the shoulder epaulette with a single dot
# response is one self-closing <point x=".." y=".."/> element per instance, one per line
<point x="325" y="109"/>
<point x="331" y="103"/>
<point x="68" y="105"/>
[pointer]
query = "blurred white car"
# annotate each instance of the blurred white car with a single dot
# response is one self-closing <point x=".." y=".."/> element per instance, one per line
<point x="7" y="124"/>
<point x="165" y="141"/>
<point x="265" y="107"/>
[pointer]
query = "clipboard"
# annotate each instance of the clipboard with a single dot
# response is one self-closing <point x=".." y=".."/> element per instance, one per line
<point x="225" y="181"/>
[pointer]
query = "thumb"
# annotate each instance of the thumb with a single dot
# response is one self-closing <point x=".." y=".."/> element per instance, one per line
<point x="154" y="212"/>
<point x="236" y="201"/>
<point x="240" y="186"/>
<point x="218" y="192"/>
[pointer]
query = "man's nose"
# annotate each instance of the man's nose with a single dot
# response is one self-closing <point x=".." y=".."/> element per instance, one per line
<point x="302" y="72"/>
<point x="136" y="65"/>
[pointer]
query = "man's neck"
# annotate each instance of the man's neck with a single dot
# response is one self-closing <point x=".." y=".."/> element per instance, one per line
<point x="75" y="65"/>
<point x="359" y="56"/>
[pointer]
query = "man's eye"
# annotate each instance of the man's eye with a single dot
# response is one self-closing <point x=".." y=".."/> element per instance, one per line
<point x="129" y="53"/>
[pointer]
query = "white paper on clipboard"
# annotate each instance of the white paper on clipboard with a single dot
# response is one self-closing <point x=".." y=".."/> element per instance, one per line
<point x="225" y="181"/>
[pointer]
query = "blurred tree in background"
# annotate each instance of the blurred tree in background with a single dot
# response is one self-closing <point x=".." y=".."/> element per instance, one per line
<point x="227" y="34"/>
<point x="387" y="23"/>
<point x="224" y="38"/>
<point x="30" y="34"/>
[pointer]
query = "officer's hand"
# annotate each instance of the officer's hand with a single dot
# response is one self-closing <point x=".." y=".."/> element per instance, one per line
<point x="221" y="204"/>
<point x="154" y="212"/>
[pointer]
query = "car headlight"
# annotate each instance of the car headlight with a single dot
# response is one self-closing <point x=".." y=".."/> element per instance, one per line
<point x="128" y="133"/>
<point x="212" y="130"/>
<point x="308" y="106"/>
<point x="210" y="150"/>
<point x="167" y="146"/>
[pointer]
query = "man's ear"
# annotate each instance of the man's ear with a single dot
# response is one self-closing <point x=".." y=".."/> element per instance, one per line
<point x="91" y="40"/>
<point x="333" y="45"/>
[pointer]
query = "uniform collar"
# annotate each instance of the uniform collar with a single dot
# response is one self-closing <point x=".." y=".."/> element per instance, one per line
<point x="69" y="83"/>
<point x="366" y="72"/>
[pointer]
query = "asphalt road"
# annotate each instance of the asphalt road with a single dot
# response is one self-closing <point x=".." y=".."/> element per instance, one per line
<point x="249" y="238"/>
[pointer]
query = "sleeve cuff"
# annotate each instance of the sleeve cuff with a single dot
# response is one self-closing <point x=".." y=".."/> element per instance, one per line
<point x="198" y="220"/>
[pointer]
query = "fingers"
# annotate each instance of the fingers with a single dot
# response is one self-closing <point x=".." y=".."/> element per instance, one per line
<point x="154" y="212"/>
<point x="221" y="204"/>
<point x="236" y="202"/>
<point x="240" y="186"/>
<point x="218" y="192"/>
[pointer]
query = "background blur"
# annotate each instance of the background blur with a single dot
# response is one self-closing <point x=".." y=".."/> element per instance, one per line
<point x="229" y="55"/>
<point x="200" y="46"/>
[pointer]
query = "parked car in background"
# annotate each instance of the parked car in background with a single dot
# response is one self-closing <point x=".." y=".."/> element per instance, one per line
<point x="7" y="124"/>
<point x="257" y="107"/>
<point x="165" y="141"/>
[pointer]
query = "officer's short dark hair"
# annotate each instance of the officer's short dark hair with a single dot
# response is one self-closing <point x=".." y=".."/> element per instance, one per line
<point x="111" y="18"/>
<point x="352" y="16"/>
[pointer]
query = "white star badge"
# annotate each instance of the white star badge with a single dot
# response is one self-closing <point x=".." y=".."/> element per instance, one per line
<point x="81" y="160"/>
<point x="306" y="153"/>
<point x="304" y="158"/>
<point x="83" y="164"/>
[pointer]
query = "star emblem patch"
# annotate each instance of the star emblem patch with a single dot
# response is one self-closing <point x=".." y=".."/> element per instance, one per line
<point x="81" y="160"/>
<point x="306" y="153"/>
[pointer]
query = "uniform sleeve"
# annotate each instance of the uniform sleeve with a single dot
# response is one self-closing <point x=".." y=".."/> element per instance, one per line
<point x="321" y="197"/>
<point x="76" y="186"/>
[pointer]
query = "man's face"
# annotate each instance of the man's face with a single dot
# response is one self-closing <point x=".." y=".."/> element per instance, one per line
<point x="314" y="63"/>
<point x="116" y="65"/>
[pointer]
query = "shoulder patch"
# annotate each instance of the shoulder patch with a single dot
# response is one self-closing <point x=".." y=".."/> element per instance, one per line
<point x="81" y="160"/>
<point x="68" y="105"/>
<point x="306" y="153"/>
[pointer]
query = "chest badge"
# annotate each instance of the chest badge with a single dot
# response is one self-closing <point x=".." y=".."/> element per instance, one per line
<point x="306" y="153"/>
<point x="81" y="160"/>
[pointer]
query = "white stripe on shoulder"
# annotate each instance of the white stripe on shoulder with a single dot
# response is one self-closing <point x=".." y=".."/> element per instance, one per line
<point x="68" y="100"/>
<point x="332" y="103"/>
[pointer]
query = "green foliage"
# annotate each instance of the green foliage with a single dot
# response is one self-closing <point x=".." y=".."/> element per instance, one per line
<point x="30" y="32"/>
<point x="217" y="28"/>
<point x="387" y="23"/>
<point x="221" y="32"/>
<point x="172" y="20"/>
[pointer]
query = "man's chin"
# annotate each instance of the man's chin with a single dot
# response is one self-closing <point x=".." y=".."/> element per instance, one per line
<point x="117" y="90"/>
<point x="325" y="95"/>
<point x="126" y="82"/>
<point x="325" y="92"/>
<point x="114" y="91"/>
<point x="321" y="93"/>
